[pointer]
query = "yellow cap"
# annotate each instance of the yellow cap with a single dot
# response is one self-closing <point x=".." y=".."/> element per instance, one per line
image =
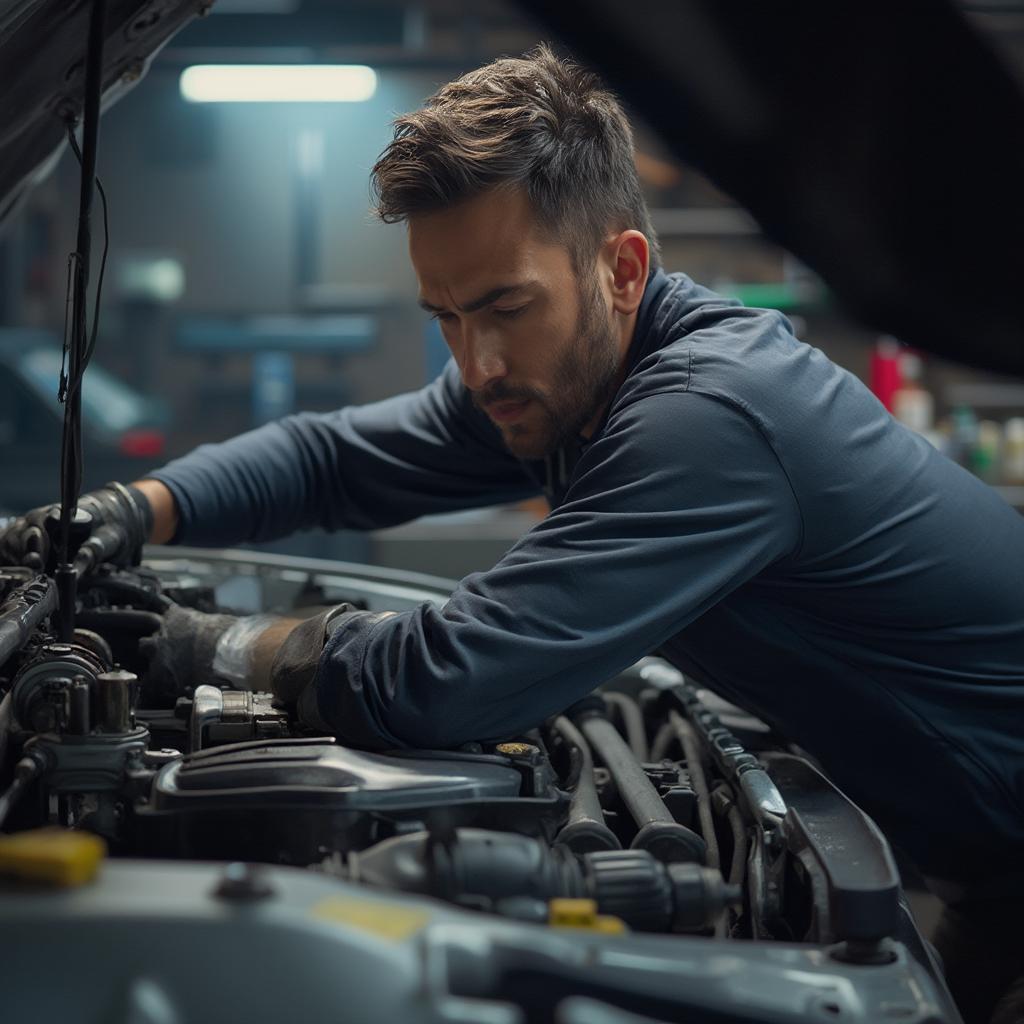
<point x="54" y="856"/>
<point x="572" y="913"/>
<point x="512" y="749"/>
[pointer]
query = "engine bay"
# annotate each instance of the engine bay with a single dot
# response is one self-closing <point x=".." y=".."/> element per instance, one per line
<point x="650" y="807"/>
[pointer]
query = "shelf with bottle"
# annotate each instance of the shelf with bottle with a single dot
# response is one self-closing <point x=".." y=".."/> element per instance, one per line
<point x="991" y="447"/>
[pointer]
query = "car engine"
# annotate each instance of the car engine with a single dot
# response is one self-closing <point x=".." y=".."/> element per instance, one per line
<point x="650" y="807"/>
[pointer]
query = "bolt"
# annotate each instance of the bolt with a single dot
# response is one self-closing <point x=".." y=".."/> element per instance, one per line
<point x="864" y="951"/>
<point x="243" y="883"/>
<point x="145" y="22"/>
<point x="133" y="72"/>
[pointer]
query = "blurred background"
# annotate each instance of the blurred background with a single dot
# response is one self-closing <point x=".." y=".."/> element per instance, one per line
<point x="247" y="278"/>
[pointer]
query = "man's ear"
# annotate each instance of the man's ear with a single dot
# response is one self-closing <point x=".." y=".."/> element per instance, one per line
<point x="627" y="259"/>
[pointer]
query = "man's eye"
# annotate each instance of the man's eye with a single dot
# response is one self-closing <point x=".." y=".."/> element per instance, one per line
<point x="508" y="314"/>
<point x="442" y="316"/>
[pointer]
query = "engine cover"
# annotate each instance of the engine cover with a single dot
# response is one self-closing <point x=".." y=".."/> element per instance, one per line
<point x="299" y="800"/>
<point x="321" y="774"/>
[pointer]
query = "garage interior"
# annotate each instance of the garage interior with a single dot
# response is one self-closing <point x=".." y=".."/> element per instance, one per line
<point x="247" y="279"/>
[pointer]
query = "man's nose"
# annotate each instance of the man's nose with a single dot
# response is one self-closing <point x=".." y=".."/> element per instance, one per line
<point x="482" y="363"/>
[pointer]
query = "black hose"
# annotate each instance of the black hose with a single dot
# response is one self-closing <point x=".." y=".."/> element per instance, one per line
<point x="695" y="766"/>
<point x="633" y="720"/>
<point x="128" y="590"/>
<point x="71" y="446"/>
<point x="27" y="769"/>
<point x="740" y="845"/>
<point x="635" y="788"/>
<point x="659" y="832"/>
<point x="738" y="864"/>
<point x="5" y="725"/>
<point x="576" y="765"/>
<point x="664" y="738"/>
<point x="585" y="829"/>
<point x="135" y="620"/>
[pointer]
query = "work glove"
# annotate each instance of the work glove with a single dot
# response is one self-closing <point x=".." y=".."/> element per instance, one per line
<point x="252" y="652"/>
<point x="294" y="666"/>
<point x="182" y="652"/>
<point x="121" y="522"/>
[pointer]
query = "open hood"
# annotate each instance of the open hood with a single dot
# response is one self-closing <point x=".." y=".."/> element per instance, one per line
<point x="42" y="74"/>
<point x="881" y="143"/>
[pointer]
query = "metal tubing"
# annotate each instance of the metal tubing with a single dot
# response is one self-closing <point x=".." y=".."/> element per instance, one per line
<point x="79" y="717"/>
<point x="71" y="465"/>
<point x="658" y="832"/>
<point x="114" y="697"/>
<point x="585" y="831"/>
<point x="207" y="707"/>
<point x="23" y="610"/>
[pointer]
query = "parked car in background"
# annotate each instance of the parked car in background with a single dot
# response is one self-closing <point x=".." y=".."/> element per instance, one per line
<point x="123" y="430"/>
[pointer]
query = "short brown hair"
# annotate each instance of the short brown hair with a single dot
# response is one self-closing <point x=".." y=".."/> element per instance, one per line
<point x="538" y="122"/>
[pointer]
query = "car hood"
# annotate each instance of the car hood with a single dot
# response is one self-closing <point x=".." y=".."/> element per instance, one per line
<point x="886" y="158"/>
<point x="42" y="74"/>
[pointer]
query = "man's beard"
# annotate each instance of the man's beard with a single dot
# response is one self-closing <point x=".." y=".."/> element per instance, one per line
<point x="585" y="381"/>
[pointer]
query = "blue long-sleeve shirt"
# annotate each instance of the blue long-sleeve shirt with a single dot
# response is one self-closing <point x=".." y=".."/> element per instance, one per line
<point x="746" y="507"/>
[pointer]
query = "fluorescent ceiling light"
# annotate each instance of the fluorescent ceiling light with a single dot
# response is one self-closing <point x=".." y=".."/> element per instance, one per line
<point x="278" y="83"/>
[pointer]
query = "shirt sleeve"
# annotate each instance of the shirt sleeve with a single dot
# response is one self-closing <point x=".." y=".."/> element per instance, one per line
<point x="362" y="467"/>
<point x="679" y="501"/>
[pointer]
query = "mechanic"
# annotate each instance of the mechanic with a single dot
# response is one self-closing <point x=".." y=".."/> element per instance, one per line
<point x="720" y="493"/>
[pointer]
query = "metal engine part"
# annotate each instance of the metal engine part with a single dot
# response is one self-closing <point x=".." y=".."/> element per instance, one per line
<point x="295" y="800"/>
<point x="81" y="710"/>
<point x="641" y="807"/>
<point x="231" y="716"/>
<point x="41" y="690"/>
<point x="517" y="876"/>
<point x="293" y="772"/>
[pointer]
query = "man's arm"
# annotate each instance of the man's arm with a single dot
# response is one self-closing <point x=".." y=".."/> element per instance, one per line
<point x="361" y="467"/>
<point x="680" y="501"/>
<point x="164" y="509"/>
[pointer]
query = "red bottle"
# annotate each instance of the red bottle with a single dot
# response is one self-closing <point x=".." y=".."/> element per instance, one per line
<point x="886" y="372"/>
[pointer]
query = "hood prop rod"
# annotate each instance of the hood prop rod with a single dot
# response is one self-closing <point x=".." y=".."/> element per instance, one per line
<point x="75" y="344"/>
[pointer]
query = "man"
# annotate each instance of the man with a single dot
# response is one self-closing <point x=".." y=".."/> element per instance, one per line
<point x="720" y="493"/>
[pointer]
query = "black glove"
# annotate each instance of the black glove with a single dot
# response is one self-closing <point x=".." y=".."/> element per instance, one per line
<point x="121" y="523"/>
<point x="294" y="667"/>
<point x="296" y="660"/>
<point x="181" y="654"/>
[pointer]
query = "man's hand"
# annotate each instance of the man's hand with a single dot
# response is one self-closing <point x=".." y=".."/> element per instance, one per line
<point x="253" y="652"/>
<point x="121" y="523"/>
<point x="296" y="656"/>
<point x="194" y="647"/>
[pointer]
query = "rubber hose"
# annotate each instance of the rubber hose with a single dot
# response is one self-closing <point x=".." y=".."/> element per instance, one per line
<point x="695" y="766"/>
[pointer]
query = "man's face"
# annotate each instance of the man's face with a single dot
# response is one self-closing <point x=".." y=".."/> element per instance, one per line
<point x="536" y="346"/>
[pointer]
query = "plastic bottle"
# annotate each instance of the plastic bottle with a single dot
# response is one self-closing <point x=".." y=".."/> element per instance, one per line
<point x="1013" y="452"/>
<point x="964" y="436"/>
<point x="912" y="404"/>
<point x="885" y="370"/>
<point x="985" y="457"/>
